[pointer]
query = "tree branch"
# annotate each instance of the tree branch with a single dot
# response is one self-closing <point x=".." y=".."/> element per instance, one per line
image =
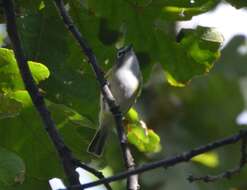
<point x="172" y="161"/>
<point x="228" y="173"/>
<point x="68" y="161"/>
<point x="38" y="100"/>
<point x="132" y="182"/>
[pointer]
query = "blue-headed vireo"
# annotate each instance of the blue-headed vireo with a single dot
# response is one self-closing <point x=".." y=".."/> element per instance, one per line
<point x="125" y="81"/>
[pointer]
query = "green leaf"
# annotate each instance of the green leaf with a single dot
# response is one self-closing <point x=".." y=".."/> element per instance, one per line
<point x="12" y="168"/>
<point x="145" y="140"/>
<point x="77" y="130"/>
<point x="209" y="159"/>
<point x="41" y="5"/>
<point x="39" y="71"/>
<point x="10" y="76"/>
<point x="193" y="55"/>
<point x="185" y="13"/>
<point x="28" y="138"/>
<point x="21" y="96"/>
<point x="132" y="116"/>
<point x="8" y="107"/>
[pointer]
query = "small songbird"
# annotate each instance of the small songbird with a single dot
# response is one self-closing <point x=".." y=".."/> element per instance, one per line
<point x="125" y="81"/>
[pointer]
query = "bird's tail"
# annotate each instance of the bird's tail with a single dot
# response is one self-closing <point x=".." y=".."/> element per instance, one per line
<point x="96" y="146"/>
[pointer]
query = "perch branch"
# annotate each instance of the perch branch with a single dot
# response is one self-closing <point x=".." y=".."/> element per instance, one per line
<point x="132" y="181"/>
<point x="68" y="161"/>
<point x="172" y="161"/>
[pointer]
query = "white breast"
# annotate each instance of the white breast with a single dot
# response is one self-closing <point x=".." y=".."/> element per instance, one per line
<point x="124" y="83"/>
<point x="130" y="84"/>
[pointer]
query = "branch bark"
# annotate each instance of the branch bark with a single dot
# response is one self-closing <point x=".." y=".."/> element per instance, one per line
<point x="132" y="181"/>
<point x="172" y="161"/>
<point x="68" y="161"/>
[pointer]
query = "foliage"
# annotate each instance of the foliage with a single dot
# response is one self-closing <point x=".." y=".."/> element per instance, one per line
<point x="71" y="91"/>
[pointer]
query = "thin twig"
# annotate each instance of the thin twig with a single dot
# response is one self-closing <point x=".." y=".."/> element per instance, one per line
<point x="228" y="173"/>
<point x="65" y="155"/>
<point x="211" y="178"/>
<point x="172" y="161"/>
<point x="132" y="182"/>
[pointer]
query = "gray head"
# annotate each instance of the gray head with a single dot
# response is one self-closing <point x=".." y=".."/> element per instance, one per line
<point x="124" y="50"/>
<point x="124" y="53"/>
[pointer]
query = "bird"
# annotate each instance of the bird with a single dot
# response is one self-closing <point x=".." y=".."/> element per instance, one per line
<point x="125" y="81"/>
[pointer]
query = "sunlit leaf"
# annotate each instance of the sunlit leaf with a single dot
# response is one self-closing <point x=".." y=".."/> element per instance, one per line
<point x="40" y="72"/>
<point x="210" y="159"/>
<point x="145" y="140"/>
<point x="41" y="5"/>
<point x="185" y="13"/>
<point x="132" y="116"/>
<point x="196" y="53"/>
<point x="10" y="76"/>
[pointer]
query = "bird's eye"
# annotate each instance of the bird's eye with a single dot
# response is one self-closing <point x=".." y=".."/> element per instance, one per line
<point x="120" y="54"/>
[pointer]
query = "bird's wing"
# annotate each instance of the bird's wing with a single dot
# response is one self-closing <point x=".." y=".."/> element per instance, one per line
<point x="139" y="90"/>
